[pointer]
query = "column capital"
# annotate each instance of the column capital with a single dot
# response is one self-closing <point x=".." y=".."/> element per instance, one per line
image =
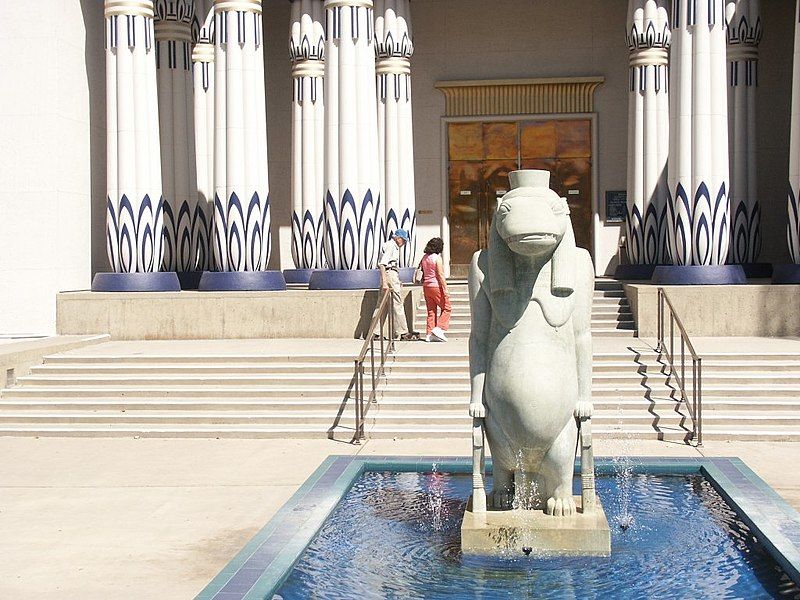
<point x="253" y="6"/>
<point x="308" y="68"/>
<point x="173" y="20"/>
<point x="353" y="3"/>
<point x="203" y="52"/>
<point x="393" y="64"/>
<point x="142" y="8"/>
<point x="649" y="56"/>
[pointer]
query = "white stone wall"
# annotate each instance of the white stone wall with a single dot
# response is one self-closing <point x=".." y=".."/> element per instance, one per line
<point x="50" y="59"/>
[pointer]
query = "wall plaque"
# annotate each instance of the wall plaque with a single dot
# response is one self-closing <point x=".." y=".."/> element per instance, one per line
<point x="616" y="206"/>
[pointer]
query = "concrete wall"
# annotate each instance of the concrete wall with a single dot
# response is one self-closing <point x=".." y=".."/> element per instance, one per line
<point x="48" y="58"/>
<point x="229" y="315"/>
<point x="719" y="310"/>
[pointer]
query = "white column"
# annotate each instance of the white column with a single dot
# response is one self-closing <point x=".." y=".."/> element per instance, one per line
<point x="393" y="49"/>
<point x="744" y="35"/>
<point x="134" y="221"/>
<point x="242" y="240"/>
<point x="649" y="38"/>
<point x="698" y="218"/>
<point x="353" y="211"/>
<point x="173" y="28"/>
<point x="307" y="53"/>
<point x="794" y="150"/>
<point x="203" y="78"/>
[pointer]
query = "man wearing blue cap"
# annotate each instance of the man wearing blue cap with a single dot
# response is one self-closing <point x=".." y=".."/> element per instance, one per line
<point x="388" y="263"/>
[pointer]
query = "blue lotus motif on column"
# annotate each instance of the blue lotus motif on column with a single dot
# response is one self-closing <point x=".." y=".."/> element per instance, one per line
<point x="352" y="231"/>
<point x="178" y="251"/>
<point x="202" y="232"/>
<point x="698" y="232"/>
<point x="134" y="238"/>
<point x="242" y="240"/>
<point x="793" y="228"/>
<point x="746" y="234"/>
<point x="308" y="250"/>
<point x="635" y="233"/>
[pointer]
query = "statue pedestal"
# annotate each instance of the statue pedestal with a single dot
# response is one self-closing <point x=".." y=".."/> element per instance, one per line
<point x="507" y="532"/>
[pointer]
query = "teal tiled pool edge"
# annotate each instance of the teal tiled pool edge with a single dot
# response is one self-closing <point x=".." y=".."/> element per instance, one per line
<point x="261" y="567"/>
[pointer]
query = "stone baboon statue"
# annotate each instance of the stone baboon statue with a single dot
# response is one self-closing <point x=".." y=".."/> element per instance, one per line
<point x="530" y="347"/>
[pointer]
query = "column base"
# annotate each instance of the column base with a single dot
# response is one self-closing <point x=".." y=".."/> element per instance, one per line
<point x="190" y="280"/>
<point x="757" y="270"/>
<point x="406" y="274"/>
<point x="368" y="279"/>
<point x="298" y="275"/>
<point x="786" y="275"/>
<point x="242" y="281"/>
<point x="136" y="282"/>
<point x="699" y="275"/>
<point x="634" y="272"/>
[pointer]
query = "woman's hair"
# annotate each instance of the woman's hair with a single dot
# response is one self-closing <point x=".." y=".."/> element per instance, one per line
<point x="435" y="246"/>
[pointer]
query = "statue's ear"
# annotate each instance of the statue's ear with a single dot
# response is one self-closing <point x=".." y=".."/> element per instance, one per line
<point x="562" y="270"/>
<point x="501" y="263"/>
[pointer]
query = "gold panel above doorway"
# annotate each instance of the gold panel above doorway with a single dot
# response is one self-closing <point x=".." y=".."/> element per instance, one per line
<point x="563" y="95"/>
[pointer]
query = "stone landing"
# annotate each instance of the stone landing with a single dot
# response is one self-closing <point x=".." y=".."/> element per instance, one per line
<point x="521" y="532"/>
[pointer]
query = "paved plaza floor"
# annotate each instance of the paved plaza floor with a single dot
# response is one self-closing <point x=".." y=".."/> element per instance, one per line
<point x="157" y="519"/>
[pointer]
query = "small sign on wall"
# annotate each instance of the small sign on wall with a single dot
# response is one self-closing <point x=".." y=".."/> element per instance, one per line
<point x="616" y="206"/>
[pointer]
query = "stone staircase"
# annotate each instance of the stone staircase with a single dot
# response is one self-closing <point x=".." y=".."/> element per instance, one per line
<point x="150" y="394"/>
<point x="745" y="397"/>
<point x="611" y="314"/>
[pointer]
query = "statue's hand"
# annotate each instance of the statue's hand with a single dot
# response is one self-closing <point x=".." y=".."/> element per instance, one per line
<point x="477" y="410"/>
<point x="583" y="410"/>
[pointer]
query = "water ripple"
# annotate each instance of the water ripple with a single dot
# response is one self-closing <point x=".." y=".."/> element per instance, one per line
<point x="397" y="535"/>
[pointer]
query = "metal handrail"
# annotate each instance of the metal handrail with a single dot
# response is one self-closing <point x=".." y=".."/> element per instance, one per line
<point x="384" y="316"/>
<point x="695" y="407"/>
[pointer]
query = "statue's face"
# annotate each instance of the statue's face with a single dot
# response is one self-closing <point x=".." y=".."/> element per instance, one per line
<point x="533" y="225"/>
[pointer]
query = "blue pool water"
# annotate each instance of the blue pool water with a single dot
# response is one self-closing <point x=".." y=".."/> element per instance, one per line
<point x="397" y="535"/>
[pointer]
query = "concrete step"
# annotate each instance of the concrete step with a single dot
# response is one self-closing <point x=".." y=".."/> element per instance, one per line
<point x="177" y="431"/>
<point x="197" y="391"/>
<point x="157" y="369"/>
<point x="195" y="359"/>
<point x="331" y="406"/>
<point x="145" y="381"/>
<point x="460" y="334"/>
<point x="141" y="417"/>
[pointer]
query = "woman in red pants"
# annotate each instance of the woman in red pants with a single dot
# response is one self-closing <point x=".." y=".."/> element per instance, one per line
<point x="437" y="296"/>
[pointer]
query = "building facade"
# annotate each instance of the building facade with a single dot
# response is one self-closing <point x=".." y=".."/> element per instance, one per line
<point x="525" y="84"/>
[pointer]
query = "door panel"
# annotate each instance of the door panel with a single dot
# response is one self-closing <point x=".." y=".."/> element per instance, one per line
<point x="465" y="141"/>
<point x="573" y="139"/>
<point x="538" y="139"/>
<point x="495" y="177"/>
<point x="500" y="141"/>
<point x="483" y="154"/>
<point x="465" y="204"/>
<point x="573" y="181"/>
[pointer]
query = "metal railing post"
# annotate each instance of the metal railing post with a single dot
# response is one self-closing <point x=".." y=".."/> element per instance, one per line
<point x="356" y="402"/>
<point x="660" y="320"/>
<point x="699" y="401"/>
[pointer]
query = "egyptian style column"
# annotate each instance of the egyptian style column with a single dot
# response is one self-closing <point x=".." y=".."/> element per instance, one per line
<point x="393" y="49"/>
<point x="242" y="240"/>
<point x="649" y="38"/>
<point x="173" y="29"/>
<point x="793" y="231"/>
<point x="307" y="53"/>
<point x="698" y="218"/>
<point x="353" y="211"/>
<point x="134" y="218"/>
<point x="203" y="78"/>
<point x="744" y="35"/>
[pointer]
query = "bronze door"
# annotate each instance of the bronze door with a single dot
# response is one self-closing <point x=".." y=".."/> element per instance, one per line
<point x="565" y="149"/>
<point x="482" y="154"/>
